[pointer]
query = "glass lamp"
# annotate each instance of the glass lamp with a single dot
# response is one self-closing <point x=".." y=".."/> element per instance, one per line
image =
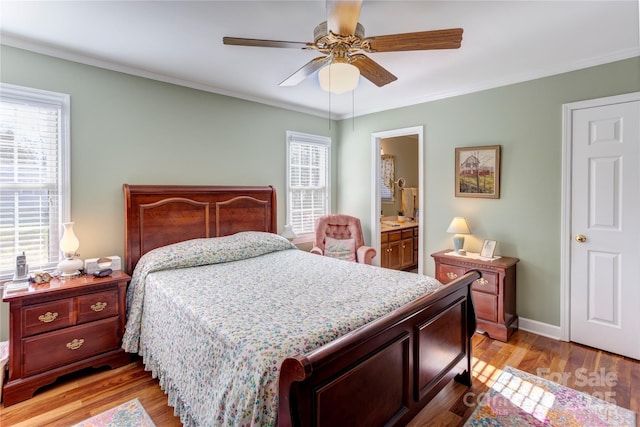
<point x="339" y="77"/>
<point x="459" y="227"/>
<point x="70" y="266"/>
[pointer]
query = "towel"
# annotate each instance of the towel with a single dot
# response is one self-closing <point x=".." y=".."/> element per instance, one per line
<point x="410" y="201"/>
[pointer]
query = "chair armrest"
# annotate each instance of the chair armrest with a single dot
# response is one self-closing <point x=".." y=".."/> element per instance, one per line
<point x="365" y="254"/>
<point x="316" y="250"/>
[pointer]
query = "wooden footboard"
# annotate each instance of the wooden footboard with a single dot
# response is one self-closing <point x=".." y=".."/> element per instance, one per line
<point x="385" y="372"/>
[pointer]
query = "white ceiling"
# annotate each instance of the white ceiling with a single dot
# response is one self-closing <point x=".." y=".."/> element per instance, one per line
<point x="180" y="42"/>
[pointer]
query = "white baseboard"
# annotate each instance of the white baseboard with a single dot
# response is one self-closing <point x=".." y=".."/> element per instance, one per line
<point x="544" y="329"/>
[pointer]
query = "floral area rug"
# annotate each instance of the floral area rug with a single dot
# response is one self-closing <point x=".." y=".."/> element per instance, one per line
<point x="130" y="413"/>
<point x="521" y="399"/>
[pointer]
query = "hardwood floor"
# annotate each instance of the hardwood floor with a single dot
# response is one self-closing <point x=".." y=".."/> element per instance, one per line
<point x="82" y="395"/>
<point x="598" y="373"/>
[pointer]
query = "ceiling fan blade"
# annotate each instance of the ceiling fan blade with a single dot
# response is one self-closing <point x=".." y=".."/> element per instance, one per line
<point x="306" y="70"/>
<point x="263" y="43"/>
<point x="342" y="16"/>
<point x="372" y="71"/>
<point x="423" y="40"/>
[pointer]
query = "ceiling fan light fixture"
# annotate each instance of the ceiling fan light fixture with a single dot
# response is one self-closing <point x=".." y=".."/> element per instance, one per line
<point x="339" y="77"/>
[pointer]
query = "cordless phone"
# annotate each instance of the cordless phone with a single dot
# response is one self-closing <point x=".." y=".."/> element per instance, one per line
<point x="21" y="265"/>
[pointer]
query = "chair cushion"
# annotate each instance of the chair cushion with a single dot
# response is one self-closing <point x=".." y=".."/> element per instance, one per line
<point x="340" y="248"/>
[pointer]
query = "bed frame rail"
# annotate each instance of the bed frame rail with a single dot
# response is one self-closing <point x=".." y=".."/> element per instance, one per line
<point x="385" y="372"/>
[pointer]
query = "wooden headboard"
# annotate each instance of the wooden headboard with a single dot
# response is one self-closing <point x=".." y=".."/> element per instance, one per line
<point x="159" y="215"/>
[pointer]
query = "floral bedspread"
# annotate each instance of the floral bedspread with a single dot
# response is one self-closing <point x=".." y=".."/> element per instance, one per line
<point x="215" y="318"/>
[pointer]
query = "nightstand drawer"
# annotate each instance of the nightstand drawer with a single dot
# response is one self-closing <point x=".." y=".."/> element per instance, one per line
<point x="447" y="273"/>
<point x="486" y="306"/>
<point x="59" y="348"/>
<point x="47" y="317"/>
<point x="97" y="306"/>
<point x="487" y="283"/>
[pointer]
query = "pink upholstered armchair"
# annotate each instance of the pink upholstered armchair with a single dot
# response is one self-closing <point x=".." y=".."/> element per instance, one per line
<point x="340" y="236"/>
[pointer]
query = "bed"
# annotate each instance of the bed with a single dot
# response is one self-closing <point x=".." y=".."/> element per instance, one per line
<point x="242" y="328"/>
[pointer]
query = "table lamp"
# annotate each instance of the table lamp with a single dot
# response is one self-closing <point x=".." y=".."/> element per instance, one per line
<point x="70" y="266"/>
<point x="288" y="233"/>
<point x="459" y="227"/>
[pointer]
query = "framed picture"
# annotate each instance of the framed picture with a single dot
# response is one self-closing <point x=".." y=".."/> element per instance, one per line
<point x="478" y="172"/>
<point x="488" y="248"/>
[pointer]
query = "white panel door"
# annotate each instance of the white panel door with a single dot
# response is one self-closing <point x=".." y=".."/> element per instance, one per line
<point x="605" y="225"/>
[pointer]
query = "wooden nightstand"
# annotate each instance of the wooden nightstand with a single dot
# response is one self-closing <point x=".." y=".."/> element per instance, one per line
<point x="494" y="294"/>
<point x="63" y="326"/>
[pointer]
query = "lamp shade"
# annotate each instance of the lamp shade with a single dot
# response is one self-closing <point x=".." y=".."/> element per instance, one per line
<point x="339" y="77"/>
<point x="70" y="266"/>
<point x="69" y="243"/>
<point x="459" y="226"/>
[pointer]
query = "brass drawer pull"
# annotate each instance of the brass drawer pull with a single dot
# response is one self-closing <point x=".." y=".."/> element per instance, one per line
<point x="452" y="276"/>
<point x="75" y="344"/>
<point x="48" y="317"/>
<point x="482" y="281"/>
<point x="99" y="306"/>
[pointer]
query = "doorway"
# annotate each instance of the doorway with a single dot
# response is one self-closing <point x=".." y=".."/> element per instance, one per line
<point x="601" y="207"/>
<point x="377" y="138"/>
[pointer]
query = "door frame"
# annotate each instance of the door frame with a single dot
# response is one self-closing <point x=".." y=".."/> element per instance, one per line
<point x="376" y="138"/>
<point x="566" y="212"/>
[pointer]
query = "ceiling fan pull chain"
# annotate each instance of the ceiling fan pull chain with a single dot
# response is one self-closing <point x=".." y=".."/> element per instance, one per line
<point x="329" y="93"/>
<point x="353" y="110"/>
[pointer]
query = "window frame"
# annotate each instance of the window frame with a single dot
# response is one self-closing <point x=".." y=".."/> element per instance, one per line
<point x="293" y="137"/>
<point x="32" y="96"/>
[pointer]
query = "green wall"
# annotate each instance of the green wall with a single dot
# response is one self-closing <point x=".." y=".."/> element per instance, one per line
<point x="526" y="120"/>
<point x="126" y="129"/>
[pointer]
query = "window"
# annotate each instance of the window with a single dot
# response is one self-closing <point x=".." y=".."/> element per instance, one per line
<point x="308" y="180"/>
<point x="34" y="176"/>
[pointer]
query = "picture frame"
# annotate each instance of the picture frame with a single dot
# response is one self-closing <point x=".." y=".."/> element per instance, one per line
<point x="488" y="248"/>
<point x="478" y="172"/>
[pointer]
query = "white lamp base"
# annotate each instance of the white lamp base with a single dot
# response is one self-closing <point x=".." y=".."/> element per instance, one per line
<point x="70" y="267"/>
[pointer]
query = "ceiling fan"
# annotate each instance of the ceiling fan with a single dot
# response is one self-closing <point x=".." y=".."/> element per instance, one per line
<point x="343" y="44"/>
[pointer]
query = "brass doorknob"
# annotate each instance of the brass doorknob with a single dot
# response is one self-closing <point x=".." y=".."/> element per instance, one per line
<point x="581" y="238"/>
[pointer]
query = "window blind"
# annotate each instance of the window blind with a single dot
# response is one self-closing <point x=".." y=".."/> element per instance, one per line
<point x="33" y="191"/>
<point x="308" y="190"/>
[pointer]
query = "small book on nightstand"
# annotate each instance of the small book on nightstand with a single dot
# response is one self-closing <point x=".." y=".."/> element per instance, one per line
<point x="17" y="284"/>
